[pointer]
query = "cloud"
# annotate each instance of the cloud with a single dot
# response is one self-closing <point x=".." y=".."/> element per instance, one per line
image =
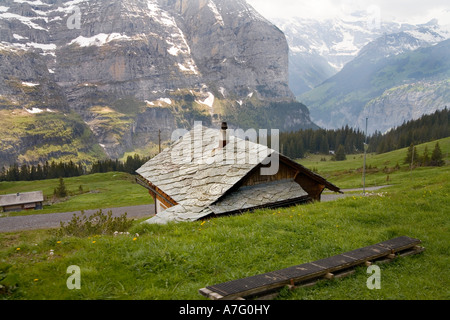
<point x="294" y="8"/>
<point x="413" y="11"/>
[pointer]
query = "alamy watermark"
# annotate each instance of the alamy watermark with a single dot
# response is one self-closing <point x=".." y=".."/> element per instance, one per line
<point x="374" y="281"/>
<point x="227" y="147"/>
<point x="74" y="280"/>
<point x="74" y="20"/>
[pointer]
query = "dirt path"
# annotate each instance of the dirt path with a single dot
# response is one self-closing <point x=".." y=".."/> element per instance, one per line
<point x="52" y="220"/>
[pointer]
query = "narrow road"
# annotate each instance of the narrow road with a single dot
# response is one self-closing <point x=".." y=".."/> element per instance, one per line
<point x="326" y="196"/>
<point x="52" y="220"/>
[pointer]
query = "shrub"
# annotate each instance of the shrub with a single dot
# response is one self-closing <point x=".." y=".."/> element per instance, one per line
<point x="95" y="224"/>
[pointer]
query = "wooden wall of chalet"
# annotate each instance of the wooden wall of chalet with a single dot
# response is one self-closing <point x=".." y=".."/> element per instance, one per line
<point x="21" y="207"/>
<point x="312" y="187"/>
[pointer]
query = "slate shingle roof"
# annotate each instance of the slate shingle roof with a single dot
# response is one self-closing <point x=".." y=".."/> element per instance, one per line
<point x="259" y="195"/>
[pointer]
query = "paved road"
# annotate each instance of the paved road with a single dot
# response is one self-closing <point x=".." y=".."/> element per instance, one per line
<point x="52" y="220"/>
<point x="334" y="196"/>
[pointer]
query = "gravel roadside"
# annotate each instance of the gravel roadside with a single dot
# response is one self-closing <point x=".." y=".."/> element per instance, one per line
<point x="52" y="220"/>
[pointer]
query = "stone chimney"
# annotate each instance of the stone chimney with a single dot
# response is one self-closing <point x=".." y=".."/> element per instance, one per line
<point x="223" y="135"/>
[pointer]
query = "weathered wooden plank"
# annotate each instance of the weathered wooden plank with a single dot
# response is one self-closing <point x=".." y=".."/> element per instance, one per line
<point x="250" y="285"/>
<point x="367" y="253"/>
<point x="303" y="271"/>
<point x="400" y="243"/>
<point x="336" y="262"/>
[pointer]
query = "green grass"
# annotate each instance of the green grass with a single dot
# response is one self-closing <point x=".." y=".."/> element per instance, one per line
<point x="175" y="260"/>
<point x="47" y="135"/>
<point x="107" y="190"/>
<point x="348" y="174"/>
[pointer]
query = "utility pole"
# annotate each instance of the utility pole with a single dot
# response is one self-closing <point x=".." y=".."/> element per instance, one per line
<point x="159" y="139"/>
<point x="366" y="146"/>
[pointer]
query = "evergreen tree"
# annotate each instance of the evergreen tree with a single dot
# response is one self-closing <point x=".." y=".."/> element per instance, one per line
<point x="426" y="157"/>
<point x="436" y="156"/>
<point x="340" y="153"/>
<point x="60" y="191"/>
<point x="24" y="174"/>
<point x="324" y="144"/>
<point x="39" y="173"/>
<point x="13" y="173"/>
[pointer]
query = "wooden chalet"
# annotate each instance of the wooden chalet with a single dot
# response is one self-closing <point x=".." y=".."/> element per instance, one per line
<point x="208" y="173"/>
<point x="22" y="201"/>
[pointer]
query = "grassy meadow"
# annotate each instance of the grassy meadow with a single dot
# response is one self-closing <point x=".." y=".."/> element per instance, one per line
<point x="171" y="262"/>
<point x="95" y="191"/>
<point x="381" y="169"/>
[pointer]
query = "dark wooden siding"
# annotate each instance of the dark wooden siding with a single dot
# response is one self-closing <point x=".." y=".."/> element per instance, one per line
<point x="256" y="178"/>
<point x="312" y="187"/>
<point x="20" y="207"/>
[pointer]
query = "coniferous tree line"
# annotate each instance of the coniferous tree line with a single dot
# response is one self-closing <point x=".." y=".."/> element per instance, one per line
<point x="69" y="169"/>
<point x="297" y="144"/>
<point x="425" y="129"/>
<point x="350" y="141"/>
<point x="48" y="170"/>
<point x="435" y="159"/>
<point x="129" y="166"/>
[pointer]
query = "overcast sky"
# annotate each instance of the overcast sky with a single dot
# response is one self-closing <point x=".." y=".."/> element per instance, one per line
<point x="412" y="11"/>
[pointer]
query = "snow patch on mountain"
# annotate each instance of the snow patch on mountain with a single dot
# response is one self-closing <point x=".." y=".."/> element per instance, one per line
<point x="98" y="40"/>
<point x="25" y="20"/>
<point x="209" y="101"/>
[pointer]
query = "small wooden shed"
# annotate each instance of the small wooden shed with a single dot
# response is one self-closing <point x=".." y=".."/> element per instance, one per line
<point x="209" y="172"/>
<point x="22" y="201"/>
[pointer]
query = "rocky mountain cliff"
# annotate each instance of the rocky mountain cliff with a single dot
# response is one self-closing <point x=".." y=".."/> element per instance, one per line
<point x="393" y="79"/>
<point x="405" y="103"/>
<point x="123" y="70"/>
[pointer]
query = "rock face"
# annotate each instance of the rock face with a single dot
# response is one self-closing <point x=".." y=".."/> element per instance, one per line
<point x="392" y="80"/>
<point x="131" y="68"/>
<point x="404" y="103"/>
